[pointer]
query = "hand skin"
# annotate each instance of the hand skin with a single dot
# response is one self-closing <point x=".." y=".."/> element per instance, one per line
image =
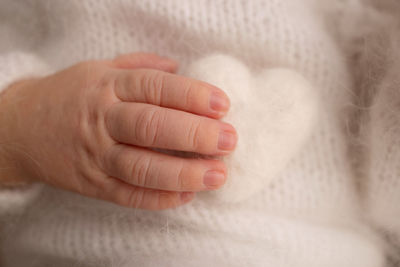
<point x="91" y="129"/>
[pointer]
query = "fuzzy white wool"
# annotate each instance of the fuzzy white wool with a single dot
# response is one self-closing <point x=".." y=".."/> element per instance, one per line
<point x="383" y="189"/>
<point x="273" y="111"/>
<point x="382" y="170"/>
<point x="306" y="217"/>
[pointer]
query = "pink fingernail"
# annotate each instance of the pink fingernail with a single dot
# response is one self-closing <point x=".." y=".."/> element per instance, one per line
<point x="213" y="179"/>
<point x="219" y="102"/>
<point x="227" y="138"/>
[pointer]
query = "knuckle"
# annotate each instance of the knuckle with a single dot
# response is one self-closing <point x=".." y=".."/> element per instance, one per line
<point x="148" y="125"/>
<point x="152" y="84"/>
<point x="180" y="179"/>
<point x="188" y="93"/>
<point x="155" y="92"/>
<point x="194" y="135"/>
<point x="140" y="171"/>
<point x="188" y="178"/>
<point x="136" y="198"/>
<point x="144" y="79"/>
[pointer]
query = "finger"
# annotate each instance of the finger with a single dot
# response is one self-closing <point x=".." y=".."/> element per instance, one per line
<point x="172" y="91"/>
<point x="131" y="196"/>
<point x="149" y="169"/>
<point x="151" y="126"/>
<point x="144" y="60"/>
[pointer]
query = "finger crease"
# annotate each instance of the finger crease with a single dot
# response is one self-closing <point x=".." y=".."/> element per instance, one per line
<point x="154" y="127"/>
<point x="186" y="96"/>
<point x="180" y="181"/>
<point x="147" y="179"/>
<point x="193" y="135"/>
<point x="154" y="94"/>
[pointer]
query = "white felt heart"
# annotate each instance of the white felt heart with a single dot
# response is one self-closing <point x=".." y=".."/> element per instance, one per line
<point x="273" y="112"/>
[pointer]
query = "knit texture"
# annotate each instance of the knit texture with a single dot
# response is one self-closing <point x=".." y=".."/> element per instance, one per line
<point x="380" y="99"/>
<point x="306" y="214"/>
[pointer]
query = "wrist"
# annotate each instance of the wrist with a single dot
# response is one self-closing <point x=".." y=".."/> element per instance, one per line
<point x="12" y="166"/>
<point x="12" y="171"/>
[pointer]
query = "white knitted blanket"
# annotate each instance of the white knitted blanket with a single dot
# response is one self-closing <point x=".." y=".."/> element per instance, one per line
<point x="298" y="66"/>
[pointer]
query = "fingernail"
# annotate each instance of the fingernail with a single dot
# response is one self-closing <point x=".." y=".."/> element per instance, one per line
<point x="213" y="179"/>
<point x="187" y="196"/>
<point x="218" y="102"/>
<point x="226" y="140"/>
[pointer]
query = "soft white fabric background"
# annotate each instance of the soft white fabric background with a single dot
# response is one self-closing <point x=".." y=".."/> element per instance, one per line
<point x="309" y="215"/>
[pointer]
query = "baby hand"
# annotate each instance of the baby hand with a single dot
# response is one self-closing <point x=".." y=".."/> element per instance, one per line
<point x="91" y="129"/>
